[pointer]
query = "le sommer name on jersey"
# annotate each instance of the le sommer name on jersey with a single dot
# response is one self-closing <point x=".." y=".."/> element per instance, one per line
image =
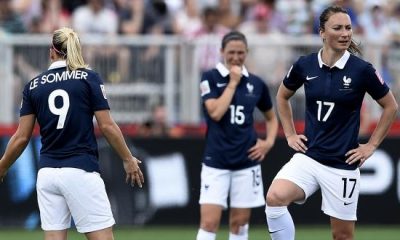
<point x="58" y="77"/>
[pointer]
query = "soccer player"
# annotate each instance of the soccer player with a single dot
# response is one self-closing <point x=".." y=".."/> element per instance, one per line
<point x="328" y="154"/>
<point x="233" y="152"/>
<point x="63" y="100"/>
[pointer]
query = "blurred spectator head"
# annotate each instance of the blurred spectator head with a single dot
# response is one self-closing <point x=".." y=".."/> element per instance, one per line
<point x="210" y="17"/>
<point x="262" y="12"/>
<point x="96" y="5"/>
<point x="397" y="10"/>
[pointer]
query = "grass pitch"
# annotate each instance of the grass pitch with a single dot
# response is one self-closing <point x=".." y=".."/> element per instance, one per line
<point x="383" y="232"/>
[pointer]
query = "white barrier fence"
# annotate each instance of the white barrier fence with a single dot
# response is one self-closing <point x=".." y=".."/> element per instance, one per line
<point x="144" y="71"/>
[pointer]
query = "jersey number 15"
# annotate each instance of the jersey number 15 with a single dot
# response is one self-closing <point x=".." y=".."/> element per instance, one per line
<point x="237" y="115"/>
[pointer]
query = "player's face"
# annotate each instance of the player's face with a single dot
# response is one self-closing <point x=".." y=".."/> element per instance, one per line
<point x="337" y="32"/>
<point x="234" y="53"/>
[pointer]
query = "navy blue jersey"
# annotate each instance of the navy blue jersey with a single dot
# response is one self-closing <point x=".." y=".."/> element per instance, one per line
<point x="64" y="103"/>
<point x="228" y="140"/>
<point x="333" y="101"/>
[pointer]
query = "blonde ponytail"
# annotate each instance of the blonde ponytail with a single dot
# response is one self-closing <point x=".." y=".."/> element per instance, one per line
<point x="66" y="43"/>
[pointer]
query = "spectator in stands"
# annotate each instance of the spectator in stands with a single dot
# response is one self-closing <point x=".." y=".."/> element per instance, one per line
<point x="130" y="16"/>
<point x="10" y="21"/>
<point x="188" y="18"/>
<point x="233" y="152"/>
<point x="393" y="56"/>
<point x="328" y="155"/>
<point x="227" y="16"/>
<point x="209" y="31"/>
<point x="269" y="62"/>
<point x="394" y="24"/>
<point x="296" y="15"/>
<point x="374" y="22"/>
<point x="94" y="18"/>
<point x="28" y="10"/>
<point x="68" y="181"/>
<point x="53" y="16"/>
<point x="376" y="33"/>
<point x="157" y="125"/>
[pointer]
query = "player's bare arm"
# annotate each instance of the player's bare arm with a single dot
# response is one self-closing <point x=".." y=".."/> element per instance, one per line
<point x="217" y="107"/>
<point x="17" y="143"/>
<point x="364" y="151"/>
<point x="114" y="137"/>
<point x="263" y="146"/>
<point x="295" y="141"/>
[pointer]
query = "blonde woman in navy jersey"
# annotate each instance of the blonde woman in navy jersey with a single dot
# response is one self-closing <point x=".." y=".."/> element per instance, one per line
<point x="328" y="153"/>
<point x="233" y="152"/>
<point x="63" y="100"/>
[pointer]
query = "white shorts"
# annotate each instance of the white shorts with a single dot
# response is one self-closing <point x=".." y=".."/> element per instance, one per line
<point x="245" y="187"/>
<point x="63" y="192"/>
<point x="339" y="188"/>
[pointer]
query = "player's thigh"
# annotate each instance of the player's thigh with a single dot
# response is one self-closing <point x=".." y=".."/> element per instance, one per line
<point x="296" y="181"/>
<point x="247" y="189"/>
<point x="87" y="200"/>
<point x="215" y="184"/>
<point x="54" y="211"/>
<point x="340" y="191"/>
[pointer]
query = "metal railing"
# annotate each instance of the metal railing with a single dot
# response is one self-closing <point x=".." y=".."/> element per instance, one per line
<point x="144" y="71"/>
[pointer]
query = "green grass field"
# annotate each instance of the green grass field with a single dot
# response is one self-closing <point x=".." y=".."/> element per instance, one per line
<point x="189" y="233"/>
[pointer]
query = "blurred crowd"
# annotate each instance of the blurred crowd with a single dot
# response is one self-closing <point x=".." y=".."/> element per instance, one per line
<point x="376" y="19"/>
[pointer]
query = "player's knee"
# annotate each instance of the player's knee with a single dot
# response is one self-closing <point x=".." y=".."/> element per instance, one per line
<point x="209" y="226"/>
<point x="239" y="229"/>
<point x="238" y="226"/>
<point x="342" y="235"/>
<point x="275" y="212"/>
<point x="274" y="199"/>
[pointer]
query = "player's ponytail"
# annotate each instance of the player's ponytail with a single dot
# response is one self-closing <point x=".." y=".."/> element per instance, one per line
<point x="66" y="43"/>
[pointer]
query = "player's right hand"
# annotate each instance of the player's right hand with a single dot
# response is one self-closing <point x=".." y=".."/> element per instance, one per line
<point x="133" y="173"/>
<point x="297" y="142"/>
<point x="235" y="75"/>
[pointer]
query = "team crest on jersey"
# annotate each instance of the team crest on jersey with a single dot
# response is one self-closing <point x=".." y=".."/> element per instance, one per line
<point x="103" y="90"/>
<point x="250" y="88"/>
<point x="346" y="82"/>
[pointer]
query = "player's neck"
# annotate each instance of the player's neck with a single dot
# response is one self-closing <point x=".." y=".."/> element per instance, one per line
<point x="330" y="57"/>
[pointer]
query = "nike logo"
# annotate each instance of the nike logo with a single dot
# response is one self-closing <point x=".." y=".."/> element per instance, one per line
<point x="221" y="84"/>
<point x="272" y="232"/>
<point x="347" y="203"/>
<point x="310" y="78"/>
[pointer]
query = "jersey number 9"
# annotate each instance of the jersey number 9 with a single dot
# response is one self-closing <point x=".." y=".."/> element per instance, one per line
<point x="62" y="111"/>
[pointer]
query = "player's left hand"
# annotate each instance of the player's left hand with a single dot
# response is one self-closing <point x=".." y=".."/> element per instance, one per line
<point x="3" y="173"/>
<point x="259" y="150"/>
<point x="133" y="173"/>
<point x="361" y="154"/>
